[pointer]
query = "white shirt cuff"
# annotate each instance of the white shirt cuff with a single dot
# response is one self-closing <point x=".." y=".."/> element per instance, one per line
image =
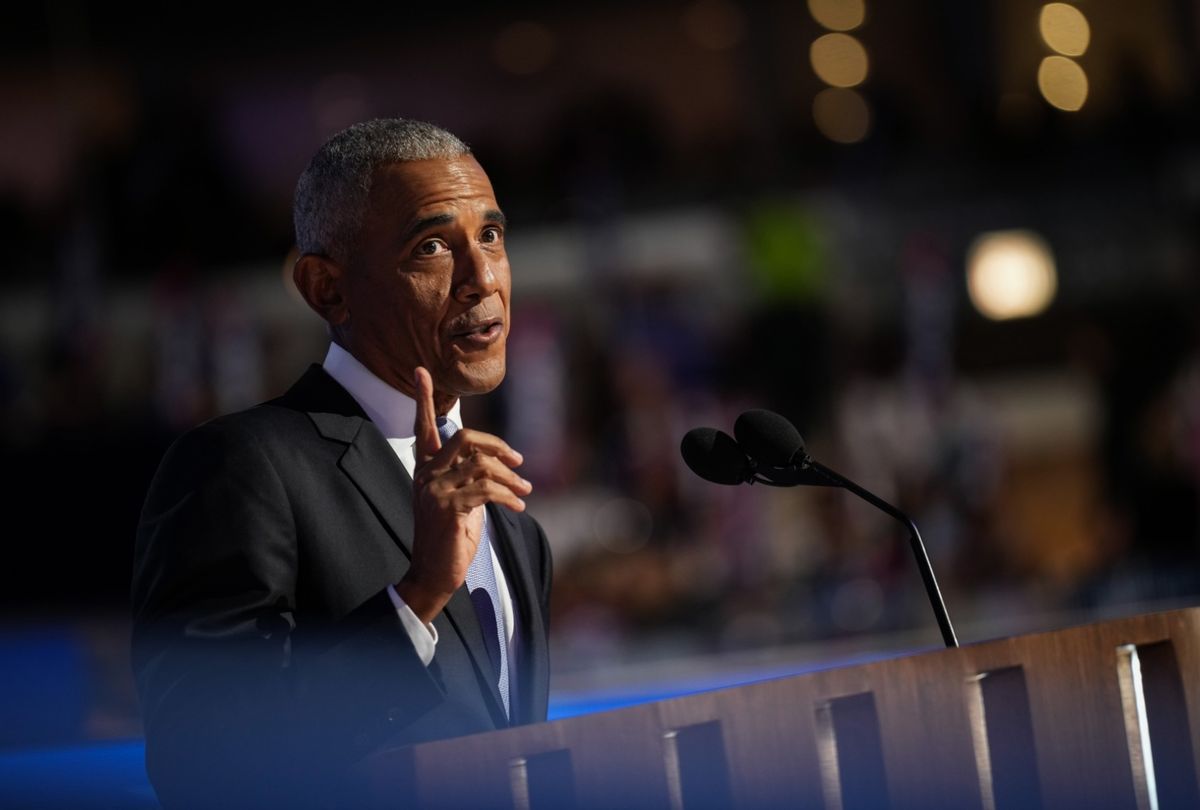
<point x="424" y="636"/>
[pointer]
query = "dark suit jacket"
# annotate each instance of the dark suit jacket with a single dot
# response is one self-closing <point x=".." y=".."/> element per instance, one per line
<point x="268" y="655"/>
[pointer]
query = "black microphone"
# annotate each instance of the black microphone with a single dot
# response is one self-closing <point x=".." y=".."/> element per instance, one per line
<point x="768" y="438"/>
<point x="776" y="449"/>
<point x="714" y="456"/>
<point x="775" y="444"/>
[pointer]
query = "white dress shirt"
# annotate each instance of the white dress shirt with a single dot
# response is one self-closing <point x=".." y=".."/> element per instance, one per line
<point x="394" y="412"/>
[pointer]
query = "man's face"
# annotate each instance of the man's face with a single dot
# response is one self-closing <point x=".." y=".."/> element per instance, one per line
<point x="429" y="283"/>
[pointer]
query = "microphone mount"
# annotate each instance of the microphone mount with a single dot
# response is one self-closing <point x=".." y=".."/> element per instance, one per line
<point x="797" y="474"/>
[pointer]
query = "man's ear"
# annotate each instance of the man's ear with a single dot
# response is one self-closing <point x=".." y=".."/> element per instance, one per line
<point x="319" y="279"/>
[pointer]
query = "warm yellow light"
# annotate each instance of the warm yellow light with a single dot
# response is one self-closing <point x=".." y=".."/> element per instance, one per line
<point x="841" y="115"/>
<point x="839" y="60"/>
<point x="524" y="47"/>
<point x="838" y="15"/>
<point x="714" y="24"/>
<point x="1010" y="274"/>
<point x="1063" y="83"/>
<point x="1064" y="29"/>
<point x="287" y="274"/>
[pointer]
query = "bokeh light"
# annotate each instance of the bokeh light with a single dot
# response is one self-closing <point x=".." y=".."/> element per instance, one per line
<point x="838" y="15"/>
<point x="623" y="525"/>
<point x="1064" y="29"/>
<point x="839" y="60"/>
<point x="1010" y="274"/>
<point x="524" y="47"/>
<point x="841" y="115"/>
<point x="1063" y="83"/>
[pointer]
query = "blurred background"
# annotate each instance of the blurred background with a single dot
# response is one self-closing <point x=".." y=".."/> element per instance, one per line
<point x="955" y="243"/>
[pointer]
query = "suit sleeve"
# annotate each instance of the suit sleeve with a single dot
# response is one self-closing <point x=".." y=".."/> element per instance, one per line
<point x="230" y="718"/>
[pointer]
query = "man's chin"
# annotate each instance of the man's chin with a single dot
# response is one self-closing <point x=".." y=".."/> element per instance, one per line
<point x="467" y="379"/>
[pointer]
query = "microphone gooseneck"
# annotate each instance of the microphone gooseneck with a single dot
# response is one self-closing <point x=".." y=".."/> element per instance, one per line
<point x="914" y="540"/>
<point x="769" y="450"/>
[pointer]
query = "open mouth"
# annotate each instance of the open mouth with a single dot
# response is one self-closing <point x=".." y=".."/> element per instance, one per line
<point x="482" y="334"/>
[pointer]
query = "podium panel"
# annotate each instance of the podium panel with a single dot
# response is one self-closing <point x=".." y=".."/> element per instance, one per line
<point x="1099" y="716"/>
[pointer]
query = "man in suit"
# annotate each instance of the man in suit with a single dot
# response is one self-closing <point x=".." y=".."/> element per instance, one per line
<point x="346" y="568"/>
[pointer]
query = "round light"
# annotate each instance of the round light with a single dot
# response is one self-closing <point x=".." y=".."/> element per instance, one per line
<point x="623" y="525"/>
<point x="524" y="47"/>
<point x="1063" y="83"/>
<point x="839" y="60"/>
<point x="1064" y="29"/>
<point x="838" y="15"/>
<point x="1010" y="274"/>
<point x="841" y="115"/>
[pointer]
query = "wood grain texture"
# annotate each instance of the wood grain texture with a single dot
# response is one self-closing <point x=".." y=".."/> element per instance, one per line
<point x="769" y="730"/>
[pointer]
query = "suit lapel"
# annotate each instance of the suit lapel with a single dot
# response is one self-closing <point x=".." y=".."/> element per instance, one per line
<point x="372" y="465"/>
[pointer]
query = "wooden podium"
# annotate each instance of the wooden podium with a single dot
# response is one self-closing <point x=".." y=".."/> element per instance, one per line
<point x="1101" y="716"/>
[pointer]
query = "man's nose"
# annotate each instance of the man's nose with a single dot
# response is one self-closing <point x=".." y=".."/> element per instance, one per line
<point x="476" y="275"/>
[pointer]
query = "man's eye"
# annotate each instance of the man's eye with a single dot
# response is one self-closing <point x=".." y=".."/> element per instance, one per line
<point x="492" y="234"/>
<point x="431" y="247"/>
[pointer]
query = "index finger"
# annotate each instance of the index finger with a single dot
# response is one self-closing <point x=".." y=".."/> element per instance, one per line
<point x="467" y="442"/>
<point x="424" y="423"/>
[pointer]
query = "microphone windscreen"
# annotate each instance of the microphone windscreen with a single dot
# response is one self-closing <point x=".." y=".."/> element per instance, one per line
<point x="768" y="438"/>
<point x="714" y="456"/>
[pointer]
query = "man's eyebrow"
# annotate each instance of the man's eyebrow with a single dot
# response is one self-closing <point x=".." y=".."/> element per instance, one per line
<point x="425" y="223"/>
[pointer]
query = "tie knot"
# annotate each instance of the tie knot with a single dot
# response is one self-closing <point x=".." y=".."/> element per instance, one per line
<point x="446" y="428"/>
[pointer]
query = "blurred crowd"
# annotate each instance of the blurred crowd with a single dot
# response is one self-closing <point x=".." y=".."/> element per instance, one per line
<point x="663" y="280"/>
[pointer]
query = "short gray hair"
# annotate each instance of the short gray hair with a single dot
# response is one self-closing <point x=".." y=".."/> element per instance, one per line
<point x="331" y="196"/>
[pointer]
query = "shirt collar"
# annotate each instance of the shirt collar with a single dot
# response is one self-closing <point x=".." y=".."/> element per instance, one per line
<point x="392" y="411"/>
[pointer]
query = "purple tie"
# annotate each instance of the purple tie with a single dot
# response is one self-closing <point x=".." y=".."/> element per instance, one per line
<point x="485" y="593"/>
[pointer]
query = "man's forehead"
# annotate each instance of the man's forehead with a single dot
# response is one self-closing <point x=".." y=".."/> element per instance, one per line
<point x="462" y="170"/>
<point x="419" y="186"/>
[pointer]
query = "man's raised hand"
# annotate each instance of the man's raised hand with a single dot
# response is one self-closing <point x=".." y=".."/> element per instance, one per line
<point x="451" y="484"/>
